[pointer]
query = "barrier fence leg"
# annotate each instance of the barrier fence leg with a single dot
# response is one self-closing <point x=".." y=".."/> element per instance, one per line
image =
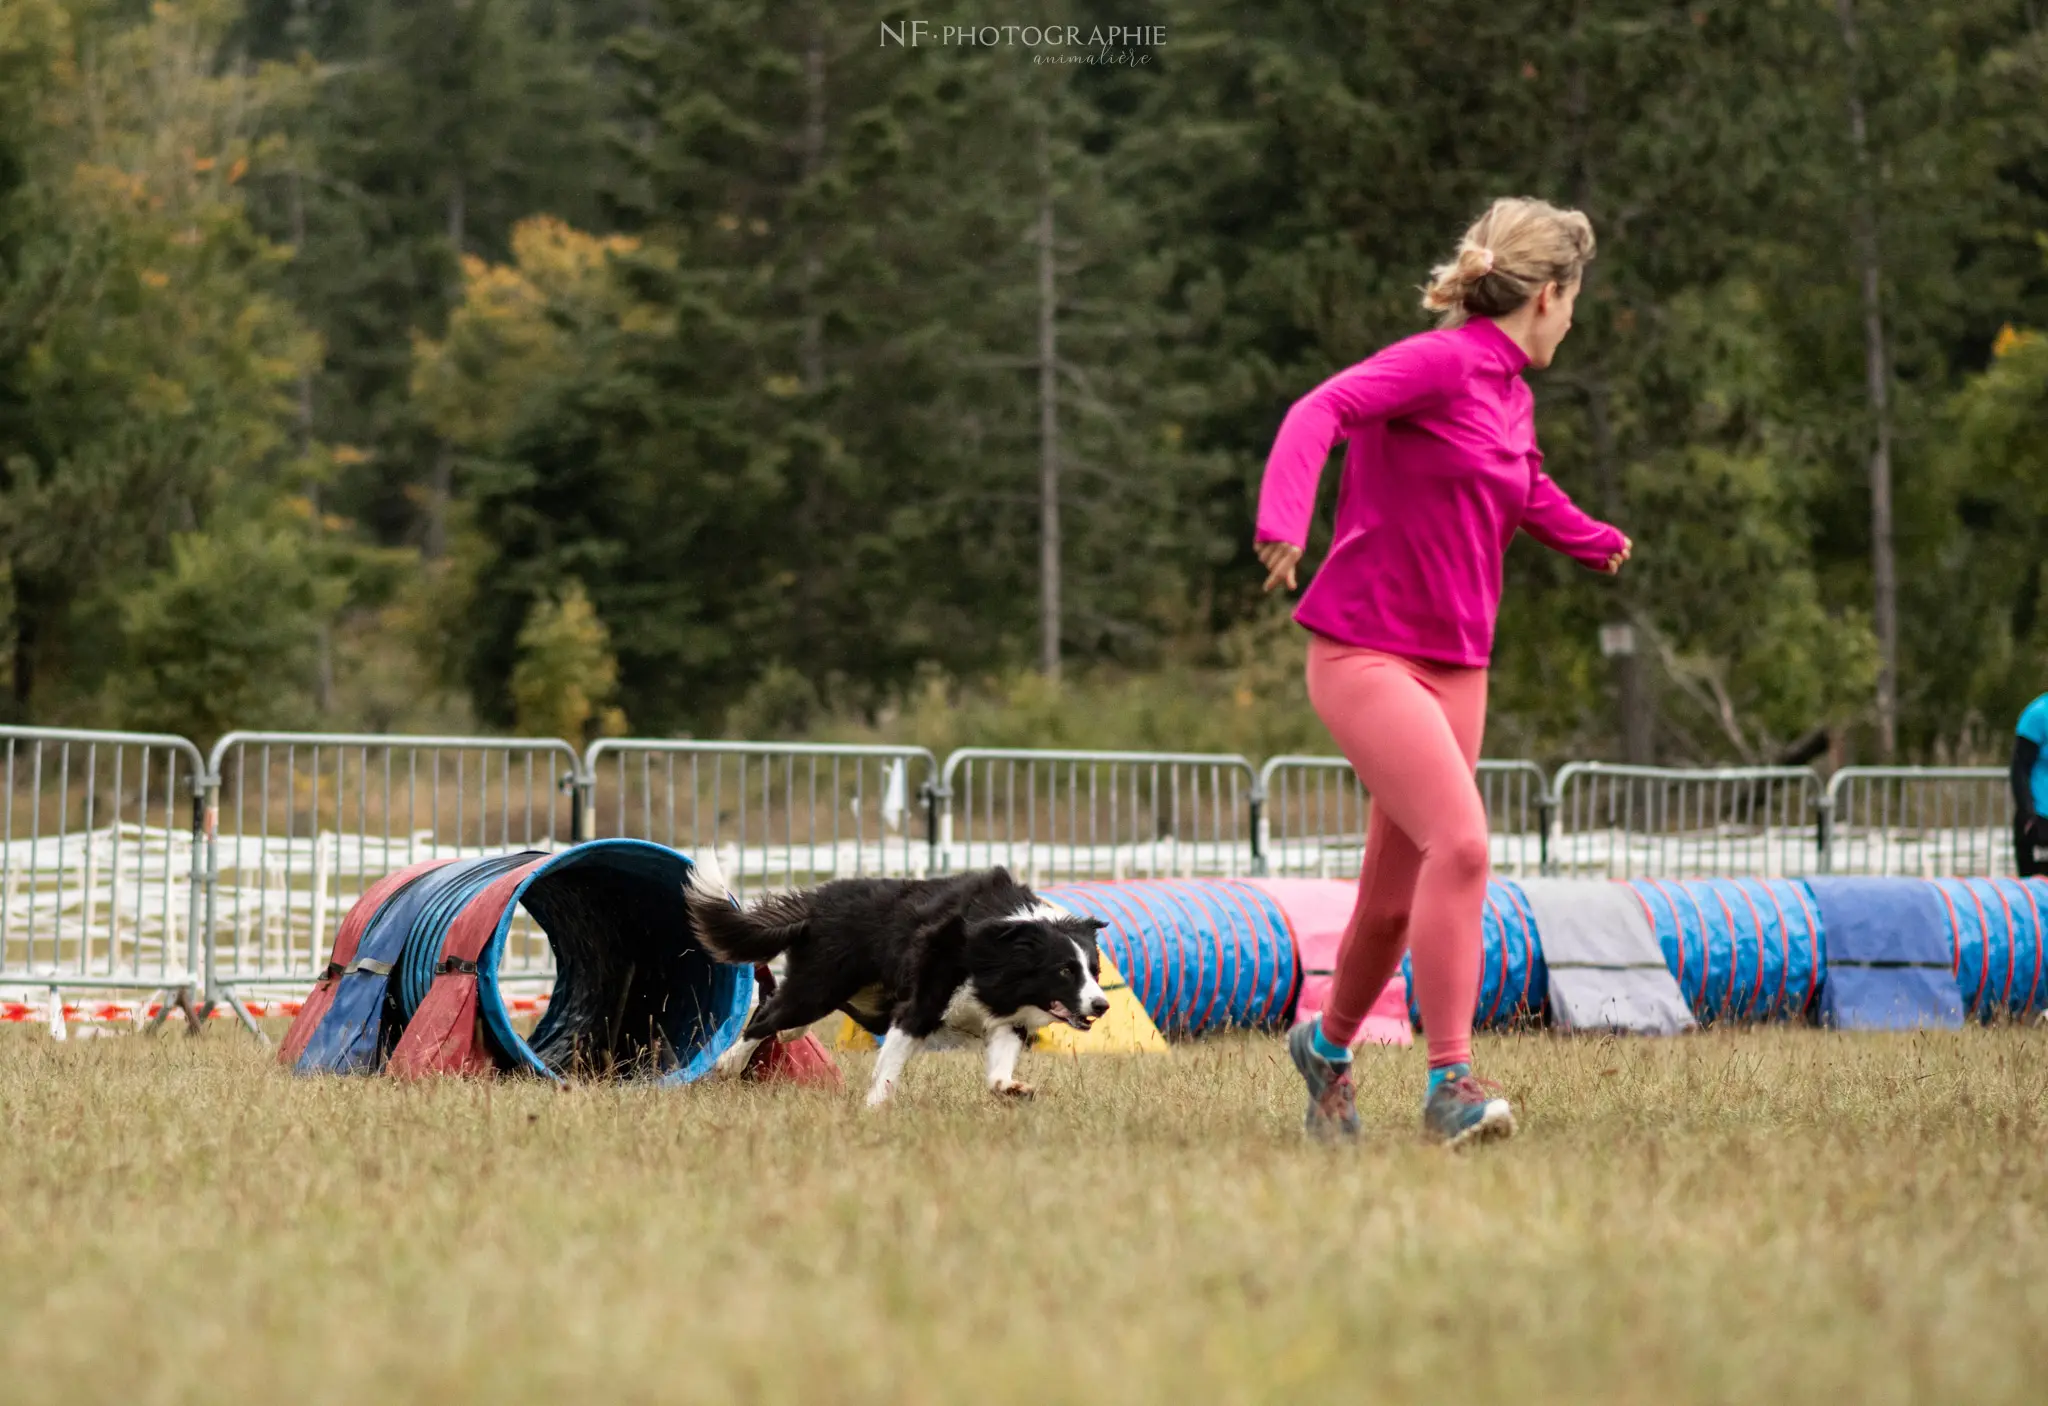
<point x="199" y="908"/>
<point x="198" y="998"/>
<point x="234" y="1003"/>
<point x="1258" y="822"/>
<point x="1546" y="818"/>
<point x="582" y="810"/>
<point x="183" y="998"/>
<point x="936" y="814"/>
<point x="1824" y="834"/>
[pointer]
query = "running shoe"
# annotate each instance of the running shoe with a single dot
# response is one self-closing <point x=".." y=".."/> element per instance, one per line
<point x="1462" y="1109"/>
<point x="1332" y="1101"/>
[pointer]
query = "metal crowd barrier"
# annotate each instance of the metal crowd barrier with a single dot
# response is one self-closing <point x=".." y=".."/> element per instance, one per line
<point x="1918" y="821"/>
<point x="129" y="861"/>
<point x="1621" y="822"/>
<point x="302" y="823"/>
<point x="98" y="882"/>
<point x="776" y="814"/>
<point x="1315" y="816"/>
<point x="1051" y="816"/>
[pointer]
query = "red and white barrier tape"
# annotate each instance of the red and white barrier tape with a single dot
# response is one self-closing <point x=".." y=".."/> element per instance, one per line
<point x="23" y="1012"/>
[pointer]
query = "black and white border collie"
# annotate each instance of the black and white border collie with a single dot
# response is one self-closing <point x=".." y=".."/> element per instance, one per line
<point x="976" y="953"/>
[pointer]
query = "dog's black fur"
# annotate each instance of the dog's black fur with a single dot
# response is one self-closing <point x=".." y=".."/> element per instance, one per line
<point x="977" y="952"/>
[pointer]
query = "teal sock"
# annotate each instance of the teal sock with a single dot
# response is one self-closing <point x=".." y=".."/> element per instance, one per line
<point x="1444" y="1074"/>
<point x="1335" y="1054"/>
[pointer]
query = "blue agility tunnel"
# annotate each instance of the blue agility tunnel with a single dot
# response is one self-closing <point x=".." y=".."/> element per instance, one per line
<point x="1199" y="954"/>
<point x="1741" y="949"/>
<point x="1994" y="928"/>
<point x="1514" y="984"/>
<point x="1746" y="949"/>
<point x="1850" y="953"/>
<point x="1889" y="960"/>
<point x="415" y="988"/>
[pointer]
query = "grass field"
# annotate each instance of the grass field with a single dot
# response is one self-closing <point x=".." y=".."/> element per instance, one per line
<point x="1767" y="1216"/>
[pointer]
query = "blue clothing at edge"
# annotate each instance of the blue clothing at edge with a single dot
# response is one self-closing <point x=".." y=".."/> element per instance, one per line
<point x="2033" y="726"/>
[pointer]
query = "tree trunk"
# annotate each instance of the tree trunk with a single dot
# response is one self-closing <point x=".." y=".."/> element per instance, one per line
<point x="1634" y="679"/>
<point x="458" y="212"/>
<point x="1877" y="386"/>
<point x="27" y="634"/>
<point x="441" y="485"/>
<point x="813" y="350"/>
<point x="323" y="663"/>
<point x="1634" y="683"/>
<point x="817" y="589"/>
<point x="1048" y="416"/>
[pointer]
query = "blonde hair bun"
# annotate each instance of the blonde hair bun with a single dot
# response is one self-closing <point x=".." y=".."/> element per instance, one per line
<point x="1509" y="253"/>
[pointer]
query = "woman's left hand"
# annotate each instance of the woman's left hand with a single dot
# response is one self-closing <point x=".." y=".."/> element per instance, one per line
<point x="1279" y="559"/>
<point x="1614" y="562"/>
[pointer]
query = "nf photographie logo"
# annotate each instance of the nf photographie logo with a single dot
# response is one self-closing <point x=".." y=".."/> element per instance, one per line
<point x="1047" y="43"/>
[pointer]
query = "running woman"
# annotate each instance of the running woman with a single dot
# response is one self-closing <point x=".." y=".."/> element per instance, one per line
<point x="1441" y="471"/>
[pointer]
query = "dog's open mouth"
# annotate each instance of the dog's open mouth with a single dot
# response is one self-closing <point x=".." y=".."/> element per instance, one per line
<point x="1058" y="1011"/>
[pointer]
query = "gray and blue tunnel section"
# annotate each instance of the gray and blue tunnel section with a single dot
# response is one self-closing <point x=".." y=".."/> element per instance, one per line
<point x="634" y="996"/>
<point x="1844" y="953"/>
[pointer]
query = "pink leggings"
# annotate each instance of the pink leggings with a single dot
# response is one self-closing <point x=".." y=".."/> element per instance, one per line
<point x="1411" y="731"/>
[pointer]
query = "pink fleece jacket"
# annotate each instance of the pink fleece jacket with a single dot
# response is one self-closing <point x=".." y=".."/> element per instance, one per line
<point x="1443" y="468"/>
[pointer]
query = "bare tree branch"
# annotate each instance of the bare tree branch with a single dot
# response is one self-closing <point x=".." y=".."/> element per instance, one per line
<point x="1703" y="681"/>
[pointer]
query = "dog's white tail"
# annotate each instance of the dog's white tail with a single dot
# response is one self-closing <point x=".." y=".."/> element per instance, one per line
<point x="707" y="877"/>
<point x="759" y="932"/>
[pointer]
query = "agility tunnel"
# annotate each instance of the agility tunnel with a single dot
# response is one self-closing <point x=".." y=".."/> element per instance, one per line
<point x="1514" y="980"/>
<point x="1199" y="954"/>
<point x="1661" y="956"/>
<point x="412" y="985"/>
<point x="1647" y="956"/>
<point x="1889" y="962"/>
<point x="1607" y="968"/>
<point x="1740" y="949"/>
<point x="1994" y="927"/>
<point x="1318" y="912"/>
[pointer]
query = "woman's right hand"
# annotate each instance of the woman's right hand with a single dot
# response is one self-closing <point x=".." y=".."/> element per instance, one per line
<point x="1614" y="562"/>
<point x="1279" y="559"/>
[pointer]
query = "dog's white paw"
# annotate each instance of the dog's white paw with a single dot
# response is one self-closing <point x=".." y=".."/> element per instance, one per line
<point x="878" y="1096"/>
<point x="1012" y="1088"/>
<point x="733" y="1062"/>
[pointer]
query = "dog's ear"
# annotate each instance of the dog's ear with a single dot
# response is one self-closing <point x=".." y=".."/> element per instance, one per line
<point x="990" y="930"/>
<point x="991" y="951"/>
<point x="1098" y="924"/>
<point x="946" y="928"/>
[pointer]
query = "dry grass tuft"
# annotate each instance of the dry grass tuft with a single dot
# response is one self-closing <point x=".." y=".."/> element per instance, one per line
<point x="1764" y="1216"/>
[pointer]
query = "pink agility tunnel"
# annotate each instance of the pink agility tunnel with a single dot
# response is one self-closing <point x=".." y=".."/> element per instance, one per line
<point x="1318" y="911"/>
